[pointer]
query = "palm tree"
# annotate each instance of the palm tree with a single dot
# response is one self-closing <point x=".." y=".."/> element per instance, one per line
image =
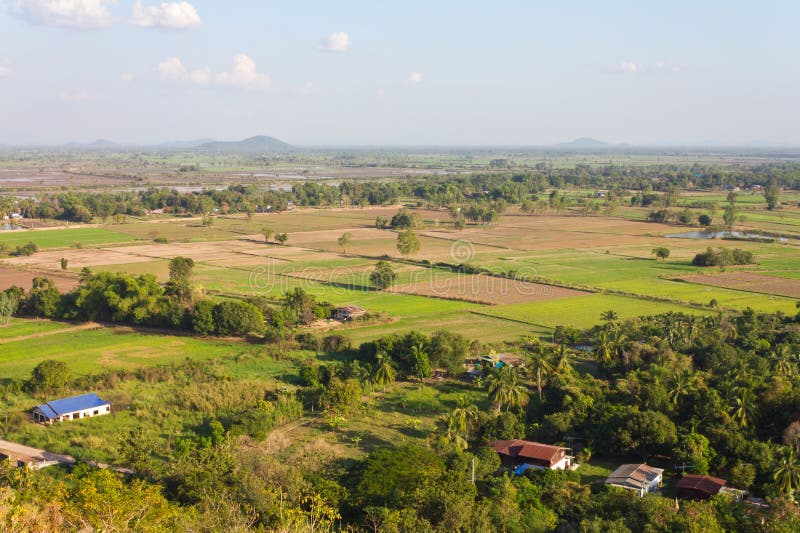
<point x="506" y="388"/>
<point x="604" y="348"/>
<point x="743" y="408"/>
<point x="787" y="476"/>
<point x="609" y="316"/>
<point x="782" y="359"/>
<point x="681" y="384"/>
<point x="564" y="366"/>
<point x="422" y="366"/>
<point x="383" y="373"/>
<point x="460" y="421"/>
<point x="539" y="367"/>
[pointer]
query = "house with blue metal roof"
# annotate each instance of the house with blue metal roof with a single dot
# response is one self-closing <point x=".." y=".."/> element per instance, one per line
<point x="83" y="406"/>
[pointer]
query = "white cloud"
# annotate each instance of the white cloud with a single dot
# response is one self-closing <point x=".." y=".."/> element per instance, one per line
<point x="81" y="14"/>
<point x="74" y="96"/>
<point x="629" y="67"/>
<point x="414" y="77"/>
<point x="244" y="74"/>
<point x="172" y="69"/>
<point x="306" y="88"/>
<point x="127" y="76"/>
<point x="337" y="42"/>
<point x="172" y="15"/>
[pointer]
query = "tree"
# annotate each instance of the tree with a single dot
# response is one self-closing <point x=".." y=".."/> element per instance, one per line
<point x="381" y="222"/>
<point x="344" y="240"/>
<point x="744" y="408"/>
<point x="237" y="318"/>
<point x="540" y="367"/>
<point x="383" y="373"/>
<point x="49" y="376"/>
<point x="407" y="243"/>
<point x="421" y="364"/>
<point x="267" y="233"/>
<point x="661" y="252"/>
<point x="643" y="431"/>
<point x="383" y="276"/>
<point x="282" y="238"/>
<point x="609" y="316"/>
<point x="203" y="317"/>
<point x="787" y="475"/>
<point x="729" y="215"/>
<point x="704" y="220"/>
<point x="181" y="268"/>
<point x="771" y="193"/>
<point x="64" y="263"/>
<point x="506" y="388"/>
<point x="8" y="306"/>
<point x="44" y="298"/>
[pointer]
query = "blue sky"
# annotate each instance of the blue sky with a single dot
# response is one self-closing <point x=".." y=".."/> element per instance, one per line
<point x="400" y="72"/>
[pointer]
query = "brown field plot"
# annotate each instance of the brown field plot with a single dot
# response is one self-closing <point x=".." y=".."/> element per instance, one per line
<point x="24" y="279"/>
<point x="749" y="281"/>
<point x="484" y="289"/>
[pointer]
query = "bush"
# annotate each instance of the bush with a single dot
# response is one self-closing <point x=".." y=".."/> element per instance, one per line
<point x="723" y="257"/>
<point x="336" y="343"/>
<point x="26" y="249"/>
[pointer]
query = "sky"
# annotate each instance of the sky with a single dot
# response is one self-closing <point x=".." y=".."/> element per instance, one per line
<point x="404" y="72"/>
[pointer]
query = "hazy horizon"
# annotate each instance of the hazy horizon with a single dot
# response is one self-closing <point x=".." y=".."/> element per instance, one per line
<point x="508" y="74"/>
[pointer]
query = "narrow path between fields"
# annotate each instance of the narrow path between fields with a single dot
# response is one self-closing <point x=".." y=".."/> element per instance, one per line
<point x="81" y="327"/>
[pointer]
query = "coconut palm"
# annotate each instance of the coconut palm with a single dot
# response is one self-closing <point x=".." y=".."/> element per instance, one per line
<point x="787" y="476"/>
<point x="539" y="367"/>
<point x="506" y="388"/>
<point x="563" y="364"/>
<point x="743" y="411"/>
<point x="782" y="359"/>
<point x="383" y="372"/>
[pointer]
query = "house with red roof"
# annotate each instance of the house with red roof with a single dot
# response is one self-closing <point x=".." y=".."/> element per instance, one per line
<point x="520" y="455"/>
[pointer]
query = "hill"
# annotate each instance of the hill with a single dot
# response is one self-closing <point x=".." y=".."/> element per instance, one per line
<point x="259" y="143"/>
<point x="585" y="142"/>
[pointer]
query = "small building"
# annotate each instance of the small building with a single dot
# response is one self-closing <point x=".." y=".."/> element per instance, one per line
<point x="348" y="312"/>
<point x="639" y="478"/>
<point x="502" y="359"/>
<point x="83" y="406"/>
<point x="701" y="487"/>
<point x="520" y="455"/>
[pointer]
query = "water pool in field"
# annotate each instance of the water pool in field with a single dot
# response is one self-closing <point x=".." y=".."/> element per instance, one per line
<point x="10" y="227"/>
<point x="724" y="235"/>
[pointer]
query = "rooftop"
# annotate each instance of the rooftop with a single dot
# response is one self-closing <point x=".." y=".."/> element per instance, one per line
<point x="528" y="450"/>
<point x="57" y="408"/>
<point x="637" y="476"/>
<point x="706" y="484"/>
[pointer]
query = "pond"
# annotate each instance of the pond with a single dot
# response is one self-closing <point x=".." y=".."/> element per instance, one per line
<point x="7" y="226"/>
<point x="724" y="235"/>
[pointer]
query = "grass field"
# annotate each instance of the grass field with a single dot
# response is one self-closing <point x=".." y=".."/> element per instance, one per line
<point x="23" y="327"/>
<point x="63" y="238"/>
<point x="582" y="311"/>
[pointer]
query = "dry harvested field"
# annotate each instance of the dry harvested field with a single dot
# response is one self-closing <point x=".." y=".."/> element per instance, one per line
<point x="484" y="289"/>
<point x="24" y="279"/>
<point x="749" y="281"/>
<point x="558" y="232"/>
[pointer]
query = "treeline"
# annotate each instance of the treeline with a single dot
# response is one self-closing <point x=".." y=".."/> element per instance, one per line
<point x="510" y="187"/>
<point x="141" y="300"/>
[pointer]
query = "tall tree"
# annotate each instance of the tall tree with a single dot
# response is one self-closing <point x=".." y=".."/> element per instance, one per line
<point x="344" y="240"/>
<point x="407" y="243"/>
<point x="506" y="388"/>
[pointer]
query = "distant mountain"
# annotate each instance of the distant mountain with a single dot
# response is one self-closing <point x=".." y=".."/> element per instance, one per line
<point x="585" y="142"/>
<point x="186" y="144"/>
<point x="103" y="143"/>
<point x="259" y="143"/>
